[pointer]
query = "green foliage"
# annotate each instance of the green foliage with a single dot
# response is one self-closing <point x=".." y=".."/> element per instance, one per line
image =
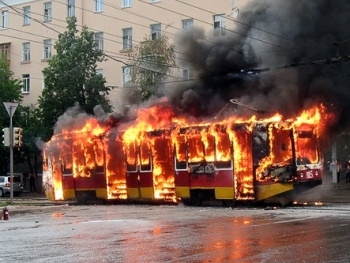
<point x="10" y="91"/>
<point x="71" y="77"/>
<point x="151" y="62"/>
<point x="32" y="131"/>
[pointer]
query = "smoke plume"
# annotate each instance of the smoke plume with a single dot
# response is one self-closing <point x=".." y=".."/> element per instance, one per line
<point x="303" y="46"/>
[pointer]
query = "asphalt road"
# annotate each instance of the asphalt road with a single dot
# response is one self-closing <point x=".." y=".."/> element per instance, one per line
<point x="39" y="230"/>
<point x="144" y="233"/>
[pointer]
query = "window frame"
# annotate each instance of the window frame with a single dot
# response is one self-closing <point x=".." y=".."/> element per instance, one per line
<point x="98" y="39"/>
<point x="219" y="23"/>
<point x="26" y="15"/>
<point x="127" y="78"/>
<point x="5" y="50"/>
<point x="26" y="83"/>
<point x="43" y="82"/>
<point x="26" y="52"/>
<point x="4" y="19"/>
<point x="70" y="8"/>
<point x="47" y="52"/>
<point x="127" y="38"/>
<point x="186" y="73"/>
<point x="187" y="27"/>
<point x="48" y="14"/>
<point x="156" y="33"/>
<point x="98" y="5"/>
<point x="127" y="3"/>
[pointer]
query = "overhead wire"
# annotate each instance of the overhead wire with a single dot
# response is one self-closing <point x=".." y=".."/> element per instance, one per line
<point x="125" y="10"/>
<point x="123" y="57"/>
<point x="43" y="24"/>
<point x="45" y="37"/>
<point x="205" y="22"/>
<point x="236" y="21"/>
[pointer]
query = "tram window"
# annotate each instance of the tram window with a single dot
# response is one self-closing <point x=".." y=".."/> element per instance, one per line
<point x="303" y="160"/>
<point x="65" y="169"/>
<point x="145" y="163"/>
<point x="99" y="169"/>
<point x="223" y="164"/>
<point x="180" y="165"/>
<point x="260" y="145"/>
<point x="131" y="167"/>
<point x="145" y="167"/>
<point x="145" y="157"/>
<point x="307" y="150"/>
<point x="305" y="134"/>
<point x="99" y="153"/>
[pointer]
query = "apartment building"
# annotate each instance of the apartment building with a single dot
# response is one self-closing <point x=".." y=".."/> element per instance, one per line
<point x="30" y="28"/>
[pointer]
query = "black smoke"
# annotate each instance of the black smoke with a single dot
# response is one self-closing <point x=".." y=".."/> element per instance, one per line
<point x="303" y="44"/>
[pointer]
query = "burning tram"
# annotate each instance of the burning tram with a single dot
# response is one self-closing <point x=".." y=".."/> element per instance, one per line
<point x="229" y="161"/>
<point x="246" y="162"/>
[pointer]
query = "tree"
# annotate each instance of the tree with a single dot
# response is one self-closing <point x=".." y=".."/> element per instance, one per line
<point x="30" y="152"/>
<point x="151" y="61"/>
<point x="71" y="77"/>
<point x="10" y="90"/>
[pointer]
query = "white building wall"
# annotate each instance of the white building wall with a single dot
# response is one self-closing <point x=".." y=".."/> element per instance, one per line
<point x="110" y="21"/>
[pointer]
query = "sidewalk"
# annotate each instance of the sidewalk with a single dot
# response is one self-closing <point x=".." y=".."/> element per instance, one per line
<point x="329" y="192"/>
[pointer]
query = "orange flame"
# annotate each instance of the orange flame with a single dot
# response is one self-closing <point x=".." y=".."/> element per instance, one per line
<point x="93" y="145"/>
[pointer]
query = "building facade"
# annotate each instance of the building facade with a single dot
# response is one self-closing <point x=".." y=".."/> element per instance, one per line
<point x="30" y="28"/>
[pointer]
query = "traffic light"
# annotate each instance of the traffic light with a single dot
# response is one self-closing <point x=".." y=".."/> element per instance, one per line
<point x="6" y="137"/>
<point x="17" y="137"/>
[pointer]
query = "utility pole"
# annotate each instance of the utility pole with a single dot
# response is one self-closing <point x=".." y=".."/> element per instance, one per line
<point x="11" y="108"/>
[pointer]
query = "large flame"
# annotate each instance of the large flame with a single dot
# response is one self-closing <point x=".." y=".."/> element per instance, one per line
<point x="157" y="134"/>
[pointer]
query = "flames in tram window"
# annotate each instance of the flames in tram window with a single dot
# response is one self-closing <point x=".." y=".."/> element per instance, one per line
<point x="256" y="149"/>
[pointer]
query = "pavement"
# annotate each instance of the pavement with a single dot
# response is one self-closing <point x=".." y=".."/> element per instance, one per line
<point x="330" y="192"/>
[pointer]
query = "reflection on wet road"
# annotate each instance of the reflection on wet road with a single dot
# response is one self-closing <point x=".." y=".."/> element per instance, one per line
<point x="178" y="234"/>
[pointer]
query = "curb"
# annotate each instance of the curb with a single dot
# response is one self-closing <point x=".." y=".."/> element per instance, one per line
<point x="17" y="210"/>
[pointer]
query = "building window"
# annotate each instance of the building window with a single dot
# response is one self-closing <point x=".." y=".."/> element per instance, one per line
<point x="26" y="15"/>
<point x="26" y="83"/>
<point x="5" y="51"/>
<point x="98" y="37"/>
<point x="127" y="3"/>
<point x="219" y="25"/>
<point x="98" y="5"/>
<point x="155" y="31"/>
<point x="127" y="38"/>
<point x="47" y="12"/>
<point x="26" y="52"/>
<point x="99" y="71"/>
<point x="4" y="19"/>
<point x="47" y="49"/>
<point x="70" y="8"/>
<point x="186" y="73"/>
<point x="127" y="77"/>
<point x="43" y="82"/>
<point x="187" y="24"/>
